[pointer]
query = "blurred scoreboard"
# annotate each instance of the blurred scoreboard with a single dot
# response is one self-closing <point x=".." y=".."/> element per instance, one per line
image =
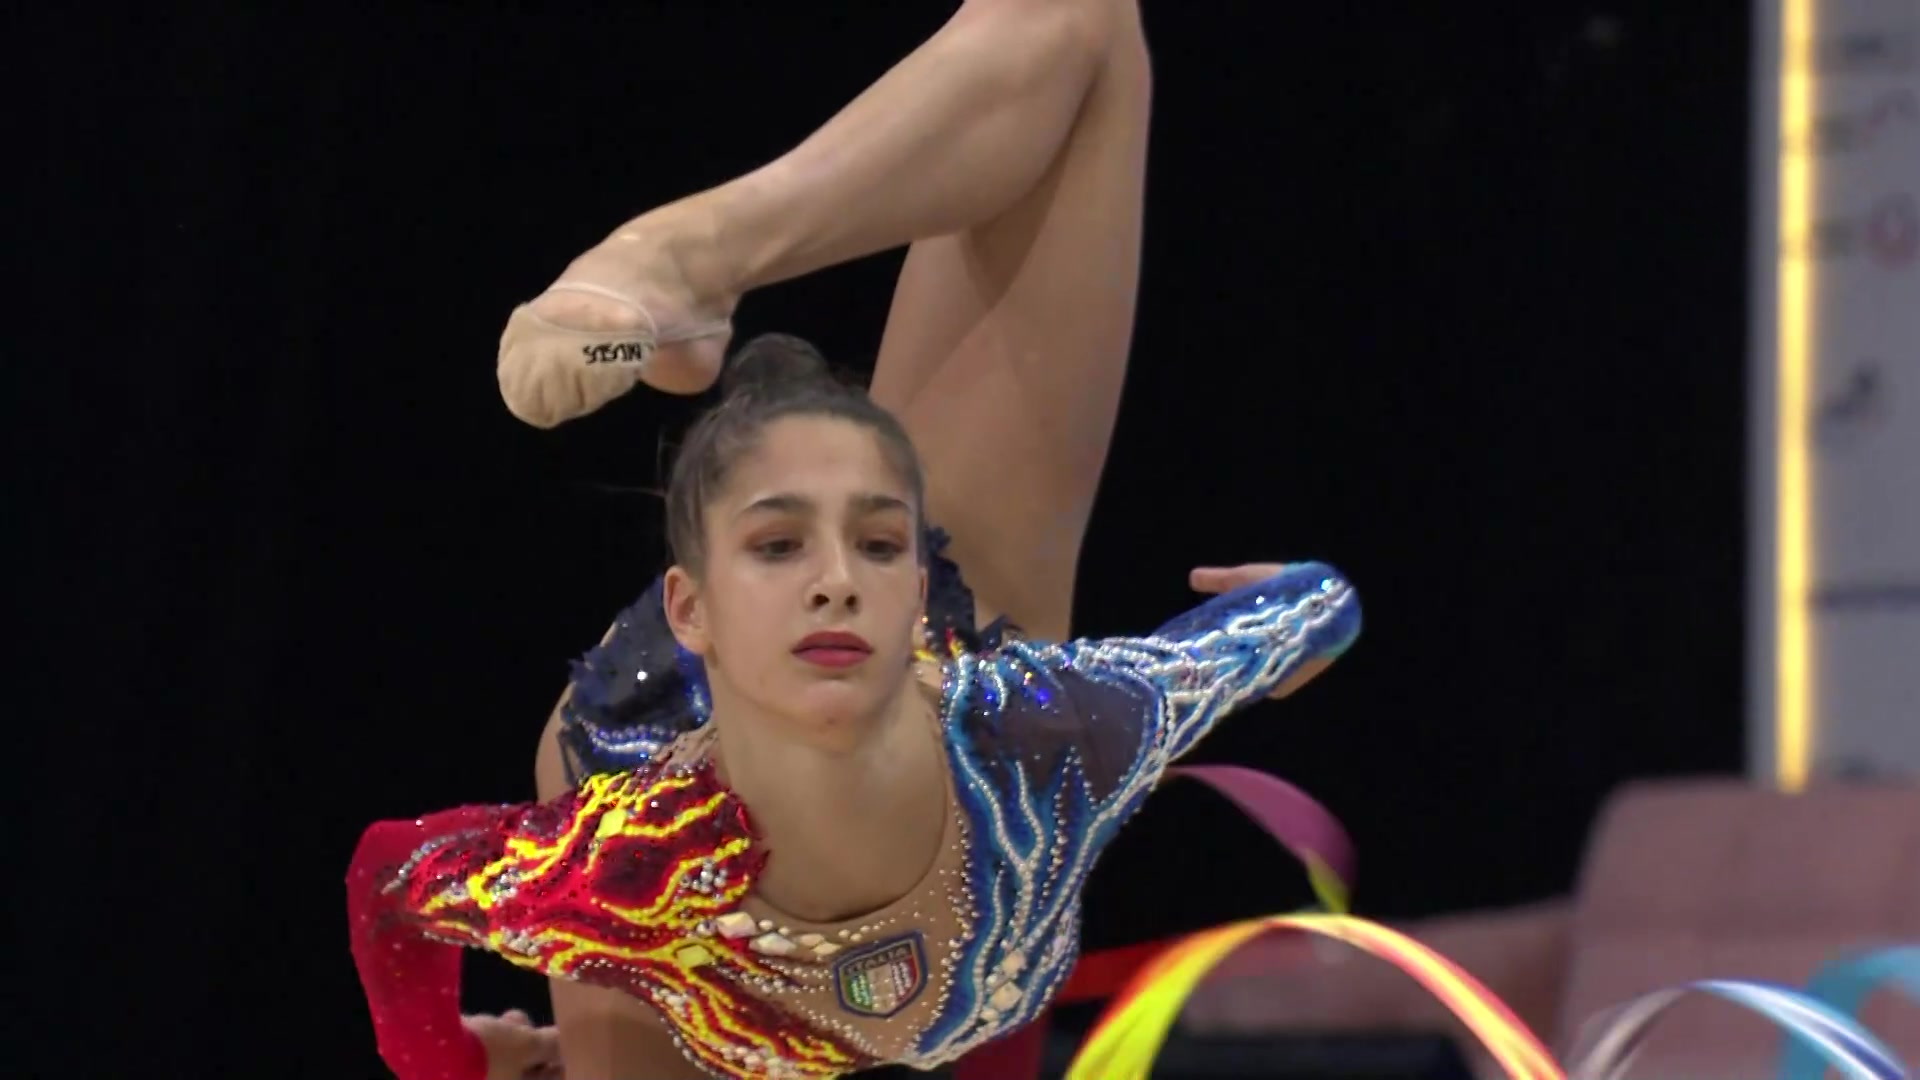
<point x="1834" y="683"/>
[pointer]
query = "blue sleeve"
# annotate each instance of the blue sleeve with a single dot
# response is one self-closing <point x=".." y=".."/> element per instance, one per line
<point x="1127" y="707"/>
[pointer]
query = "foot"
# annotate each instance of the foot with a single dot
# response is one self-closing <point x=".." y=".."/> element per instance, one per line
<point x="626" y="312"/>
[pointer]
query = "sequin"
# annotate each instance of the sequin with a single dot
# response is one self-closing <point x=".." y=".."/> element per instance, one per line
<point x="637" y="880"/>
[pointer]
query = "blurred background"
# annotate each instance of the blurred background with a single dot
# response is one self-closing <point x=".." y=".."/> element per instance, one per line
<point x="1480" y="302"/>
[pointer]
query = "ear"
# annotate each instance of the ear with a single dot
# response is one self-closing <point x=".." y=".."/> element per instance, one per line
<point x="686" y="615"/>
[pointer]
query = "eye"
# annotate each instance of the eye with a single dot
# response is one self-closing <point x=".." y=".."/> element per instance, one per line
<point x="883" y="550"/>
<point x="776" y="548"/>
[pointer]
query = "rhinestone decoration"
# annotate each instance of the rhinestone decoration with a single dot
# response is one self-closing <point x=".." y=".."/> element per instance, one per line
<point x="643" y="880"/>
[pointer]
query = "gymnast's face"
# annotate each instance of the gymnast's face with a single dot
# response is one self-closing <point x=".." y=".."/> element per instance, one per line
<point x="809" y="601"/>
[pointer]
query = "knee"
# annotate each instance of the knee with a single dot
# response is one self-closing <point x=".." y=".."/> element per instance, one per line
<point x="1076" y="32"/>
<point x="1109" y="28"/>
<point x="1111" y="34"/>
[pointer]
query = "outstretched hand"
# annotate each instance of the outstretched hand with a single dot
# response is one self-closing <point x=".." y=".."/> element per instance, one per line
<point x="516" y="1050"/>
<point x="1219" y="580"/>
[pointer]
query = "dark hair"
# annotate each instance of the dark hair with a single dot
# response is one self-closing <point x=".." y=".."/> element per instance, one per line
<point x="772" y="377"/>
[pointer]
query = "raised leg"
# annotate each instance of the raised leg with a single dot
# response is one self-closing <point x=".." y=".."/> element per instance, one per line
<point x="1006" y="349"/>
<point x="954" y="136"/>
<point x="1016" y="136"/>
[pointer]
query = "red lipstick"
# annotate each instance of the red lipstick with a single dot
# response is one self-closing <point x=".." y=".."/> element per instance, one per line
<point x="833" y="649"/>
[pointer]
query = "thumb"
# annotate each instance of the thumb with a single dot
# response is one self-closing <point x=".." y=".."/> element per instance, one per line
<point x="518" y="1017"/>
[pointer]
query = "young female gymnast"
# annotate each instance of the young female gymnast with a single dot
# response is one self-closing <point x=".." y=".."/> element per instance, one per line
<point x="1011" y="149"/>
<point x="870" y="853"/>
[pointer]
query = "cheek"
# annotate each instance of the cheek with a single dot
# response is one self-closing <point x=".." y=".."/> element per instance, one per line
<point x="750" y="655"/>
<point x="737" y="625"/>
<point x="905" y="600"/>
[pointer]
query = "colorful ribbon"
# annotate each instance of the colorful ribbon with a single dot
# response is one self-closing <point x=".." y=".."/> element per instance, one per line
<point x="1841" y="1042"/>
<point x="1845" y="985"/>
<point x="1155" y="981"/>
<point x="1130" y="1034"/>
<point x="1125" y="1042"/>
<point x="1291" y="816"/>
<point x="1304" y="827"/>
<point x="1158" y="983"/>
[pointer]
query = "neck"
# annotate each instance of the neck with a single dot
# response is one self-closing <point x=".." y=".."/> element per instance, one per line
<point x="853" y="823"/>
<point x="781" y="768"/>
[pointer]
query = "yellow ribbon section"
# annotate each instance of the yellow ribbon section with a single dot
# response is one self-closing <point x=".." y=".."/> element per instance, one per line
<point x="1130" y="1034"/>
<point x="1328" y="887"/>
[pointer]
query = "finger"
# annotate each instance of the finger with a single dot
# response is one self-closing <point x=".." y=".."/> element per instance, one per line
<point x="544" y="1053"/>
<point x="517" y="1016"/>
<point x="1216" y="579"/>
<point x="1208" y="579"/>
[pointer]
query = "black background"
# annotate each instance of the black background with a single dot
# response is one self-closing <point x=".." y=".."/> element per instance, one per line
<point x="1450" y="295"/>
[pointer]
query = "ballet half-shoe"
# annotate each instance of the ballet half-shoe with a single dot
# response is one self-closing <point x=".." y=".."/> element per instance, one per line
<point x="550" y="373"/>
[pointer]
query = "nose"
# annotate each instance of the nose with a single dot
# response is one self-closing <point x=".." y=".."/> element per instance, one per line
<point x="835" y="588"/>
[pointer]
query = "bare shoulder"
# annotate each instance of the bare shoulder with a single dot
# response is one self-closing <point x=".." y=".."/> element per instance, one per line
<point x="549" y="768"/>
<point x="549" y="765"/>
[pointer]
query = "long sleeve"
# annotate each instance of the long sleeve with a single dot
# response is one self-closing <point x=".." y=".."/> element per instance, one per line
<point x="412" y="982"/>
<point x="1127" y="707"/>
<point x="598" y="885"/>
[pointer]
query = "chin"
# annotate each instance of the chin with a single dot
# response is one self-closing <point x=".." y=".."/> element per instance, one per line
<point x="836" y="704"/>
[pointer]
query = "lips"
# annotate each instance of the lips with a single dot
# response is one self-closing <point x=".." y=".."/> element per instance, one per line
<point x="833" y="649"/>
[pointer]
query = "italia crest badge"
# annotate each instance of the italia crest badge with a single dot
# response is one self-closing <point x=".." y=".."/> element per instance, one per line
<point x="883" y="978"/>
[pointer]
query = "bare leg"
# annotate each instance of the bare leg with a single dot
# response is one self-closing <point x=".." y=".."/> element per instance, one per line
<point x="1007" y="346"/>
<point x="990" y="132"/>
<point x="954" y="136"/>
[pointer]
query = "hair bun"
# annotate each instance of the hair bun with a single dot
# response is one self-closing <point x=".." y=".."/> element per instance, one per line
<point x="772" y="364"/>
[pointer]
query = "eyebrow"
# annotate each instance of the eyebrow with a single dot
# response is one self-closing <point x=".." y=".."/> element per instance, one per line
<point x="867" y="503"/>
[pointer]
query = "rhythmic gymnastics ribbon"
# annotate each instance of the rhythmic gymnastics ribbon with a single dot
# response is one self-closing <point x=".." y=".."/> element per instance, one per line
<point x="1845" y="985"/>
<point x="1291" y="816"/>
<point x="1154" y="981"/>
<point x="1844" y="1044"/>
<point x="1304" y="827"/>
<point x="1124" y="1043"/>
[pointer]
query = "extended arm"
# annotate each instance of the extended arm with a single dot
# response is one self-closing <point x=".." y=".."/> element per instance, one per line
<point x="1129" y="706"/>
